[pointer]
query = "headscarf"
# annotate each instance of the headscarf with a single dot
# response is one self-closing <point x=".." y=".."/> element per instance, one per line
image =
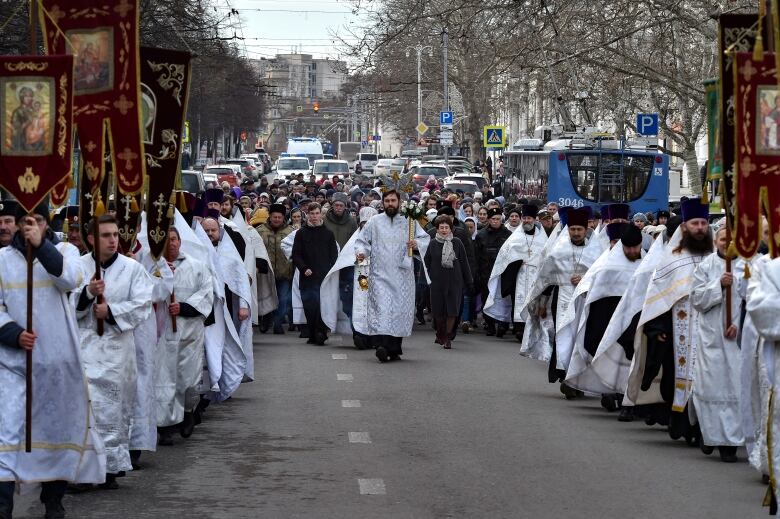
<point x="447" y="251"/>
<point x="476" y="225"/>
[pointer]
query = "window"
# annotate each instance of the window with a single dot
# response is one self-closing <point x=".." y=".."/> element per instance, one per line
<point x="609" y="177"/>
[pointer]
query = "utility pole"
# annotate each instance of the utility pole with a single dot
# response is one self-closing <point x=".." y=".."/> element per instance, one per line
<point x="419" y="49"/>
<point x="445" y="38"/>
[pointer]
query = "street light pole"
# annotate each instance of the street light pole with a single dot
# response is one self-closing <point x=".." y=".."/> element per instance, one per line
<point x="419" y="48"/>
<point x="445" y="38"/>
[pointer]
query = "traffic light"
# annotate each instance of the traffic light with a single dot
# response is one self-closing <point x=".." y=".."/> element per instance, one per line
<point x="316" y="107"/>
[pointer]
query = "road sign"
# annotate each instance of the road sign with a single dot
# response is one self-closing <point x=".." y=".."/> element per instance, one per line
<point x="647" y="124"/>
<point x="494" y="137"/>
<point x="445" y="117"/>
<point x="446" y="142"/>
<point x="445" y="134"/>
<point x="422" y="128"/>
<point x="445" y="127"/>
<point x="377" y="138"/>
<point x="299" y="108"/>
<point x="356" y="133"/>
<point x="364" y="143"/>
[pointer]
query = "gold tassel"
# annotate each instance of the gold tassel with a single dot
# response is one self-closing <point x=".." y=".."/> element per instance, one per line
<point x="705" y="199"/>
<point x="732" y="250"/>
<point x="183" y="209"/>
<point x="65" y="227"/>
<point x="747" y="272"/>
<point x="100" y="208"/>
<point x="134" y="205"/>
<point x="170" y="214"/>
<point x="758" y="48"/>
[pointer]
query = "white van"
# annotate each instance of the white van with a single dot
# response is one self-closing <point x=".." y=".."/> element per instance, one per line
<point x="367" y="161"/>
<point x="308" y="147"/>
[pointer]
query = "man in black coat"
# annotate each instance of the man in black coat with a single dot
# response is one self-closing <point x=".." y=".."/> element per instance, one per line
<point x="314" y="253"/>
<point x="488" y="243"/>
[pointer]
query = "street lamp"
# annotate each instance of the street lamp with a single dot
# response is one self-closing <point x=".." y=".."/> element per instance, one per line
<point x="419" y="48"/>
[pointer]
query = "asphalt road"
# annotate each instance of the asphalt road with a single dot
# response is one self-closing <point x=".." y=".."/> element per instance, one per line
<point x="474" y="432"/>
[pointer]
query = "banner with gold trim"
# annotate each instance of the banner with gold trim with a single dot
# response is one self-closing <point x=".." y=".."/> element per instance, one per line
<point x="104" y="39"/>
<point x="165" y="79"/>
<point x="757" y="168"/>
<point x="36" y="120"/>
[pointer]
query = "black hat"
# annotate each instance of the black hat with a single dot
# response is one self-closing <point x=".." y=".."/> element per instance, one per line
<point x="446" y="209"/>
<point x="662" y="214"/>
<point x="631" y="236"/>
<point x="277" y="208"/>
<point x="8" y="207"/>
<point x="248" y="181"/>
<point x="41" y="209"/>
<point x="494" y="212"/>
<point x="214" y="195"/>
<point x="615" y="231"/>
<point x="578" y="217"/>
<point x="530" y="210"/>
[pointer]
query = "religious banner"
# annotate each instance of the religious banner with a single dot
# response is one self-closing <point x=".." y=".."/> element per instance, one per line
<point x="757" y="168"/>
<point x="104" y="39"/>
<point x="714" y="168"/>
<point x="165" y="78"/>
<point x="736" y="33"/>
<point x="36" y="121"/>
<point x="91" y="202"/>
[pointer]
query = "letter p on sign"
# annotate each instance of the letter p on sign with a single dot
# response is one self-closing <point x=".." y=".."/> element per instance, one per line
<point x="647" y="125"/>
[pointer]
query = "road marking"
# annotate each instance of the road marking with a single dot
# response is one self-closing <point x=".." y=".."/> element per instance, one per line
<point x="345" y="377"/>
<point x="350" y="403"/>
<point x="372" y="487"/>
<point x="339" y="356"/>
<point x="359" y="437"/>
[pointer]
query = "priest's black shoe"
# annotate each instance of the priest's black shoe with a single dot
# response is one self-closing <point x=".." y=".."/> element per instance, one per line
<point x="166" y="437"/>
<point x="626" y="414"/>
<point x="135" y="457"/>
<point x="381" y="354"/>
<point x="728" y="454"/>
<point x="706" y="449"/>
<point x="54" y="510"/>
<point x="491" y="331"/>
<point x="187" y="426"/>
<point x="110" y="483"/>
<point x="500" y="331"/>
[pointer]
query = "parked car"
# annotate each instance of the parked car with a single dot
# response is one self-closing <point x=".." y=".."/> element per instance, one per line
<point x="389" y="166"/>
<point x="230" y="173"/>
<point x="326" y="168"/>
<point x="248" y="166"/>
<point x="472" y="177"/>
<point x="367" y="161"/>
<point x="467" y="186"/>
<point x="421" y="172"/>
<point x="287" y="167"/>
<point x="192" y="181"/>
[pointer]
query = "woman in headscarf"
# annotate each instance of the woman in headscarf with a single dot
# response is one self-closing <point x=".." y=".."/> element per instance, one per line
<point x="449" y="271"/>
<point x="296" y="218"/>
<point x="430" y="184"/>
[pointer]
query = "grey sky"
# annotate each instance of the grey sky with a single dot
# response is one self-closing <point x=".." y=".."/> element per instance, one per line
<point x="270" y="28"/>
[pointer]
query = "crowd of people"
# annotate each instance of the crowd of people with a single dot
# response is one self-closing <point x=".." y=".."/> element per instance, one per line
<point x="651" y="312"/>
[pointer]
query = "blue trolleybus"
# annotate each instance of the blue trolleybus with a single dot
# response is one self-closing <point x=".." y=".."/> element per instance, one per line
<point x="577" y="175"/>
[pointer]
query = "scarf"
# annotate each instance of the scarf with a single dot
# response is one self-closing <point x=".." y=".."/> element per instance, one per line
<point x="447" y="252"/>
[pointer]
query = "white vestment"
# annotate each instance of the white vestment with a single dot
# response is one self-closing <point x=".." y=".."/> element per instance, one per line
<point x="716" y="387"/>
<point x="608" y="277"/>
<point x="299" y="317"/>
<point x="65" y="444"/>
<point x="264" y="300"/>
<point x="391" y="283"/>
<point x="609" y="363"/>
<point x="228" y="340"/>
<point x="143" y="429"/>
<point x="180" y="354"/>
<point x="669" y="290"/>
<point x="110" y="359"/>
<point x="330" y="298"/>
<point x="562" y="261"/>
<point x="519" y="247"/>
<point x="763" y="307"/>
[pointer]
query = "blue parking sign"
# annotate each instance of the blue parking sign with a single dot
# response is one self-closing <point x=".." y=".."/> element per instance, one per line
<point x="647" y="125"/>
<point x="445" y="118"/>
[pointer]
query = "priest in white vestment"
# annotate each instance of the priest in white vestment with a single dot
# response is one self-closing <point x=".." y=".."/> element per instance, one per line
<point x="385" y="242"/>
<point x="716" y="385"/>
<point x="563" y="268"/>
<point x="228" y="341"/>
<point x="666" y="340"/>
<point x="180" y="352"/>
<point x="595" y="301"/>
<point x="65" y="445"/>
<point x="122" y="299"/>
<point x="514" y="272"/>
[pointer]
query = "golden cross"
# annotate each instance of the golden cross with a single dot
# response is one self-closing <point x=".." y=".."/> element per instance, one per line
<point x="90" y="146"/>
<point x="123" y="8"/>
<point x="123" y="104"/>
<point x="748" y="70"/>
<point x="128" y="156"/>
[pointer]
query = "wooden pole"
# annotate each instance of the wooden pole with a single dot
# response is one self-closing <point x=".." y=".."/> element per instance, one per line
<point x="96" y="255"/>
<point x="724" y="200"/>
<point x="173" y="317"/>
<point x="28" y="376"/>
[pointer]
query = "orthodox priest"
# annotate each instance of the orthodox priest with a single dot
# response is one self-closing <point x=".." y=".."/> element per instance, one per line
<point x="180" y="352"/>
<point x="666" y="340"/>
<point x="595" y="300"/>
<point x="122" y="299"/>
<point x="718" y="359"/>
<point x="564" y="266"/>
<point x="515" y="271"/>
<point x="385" y="241"/>
<point x="65" y="448"/>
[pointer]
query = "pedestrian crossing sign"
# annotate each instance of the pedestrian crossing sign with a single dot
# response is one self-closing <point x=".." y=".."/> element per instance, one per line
<point x="494" y="137"/>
